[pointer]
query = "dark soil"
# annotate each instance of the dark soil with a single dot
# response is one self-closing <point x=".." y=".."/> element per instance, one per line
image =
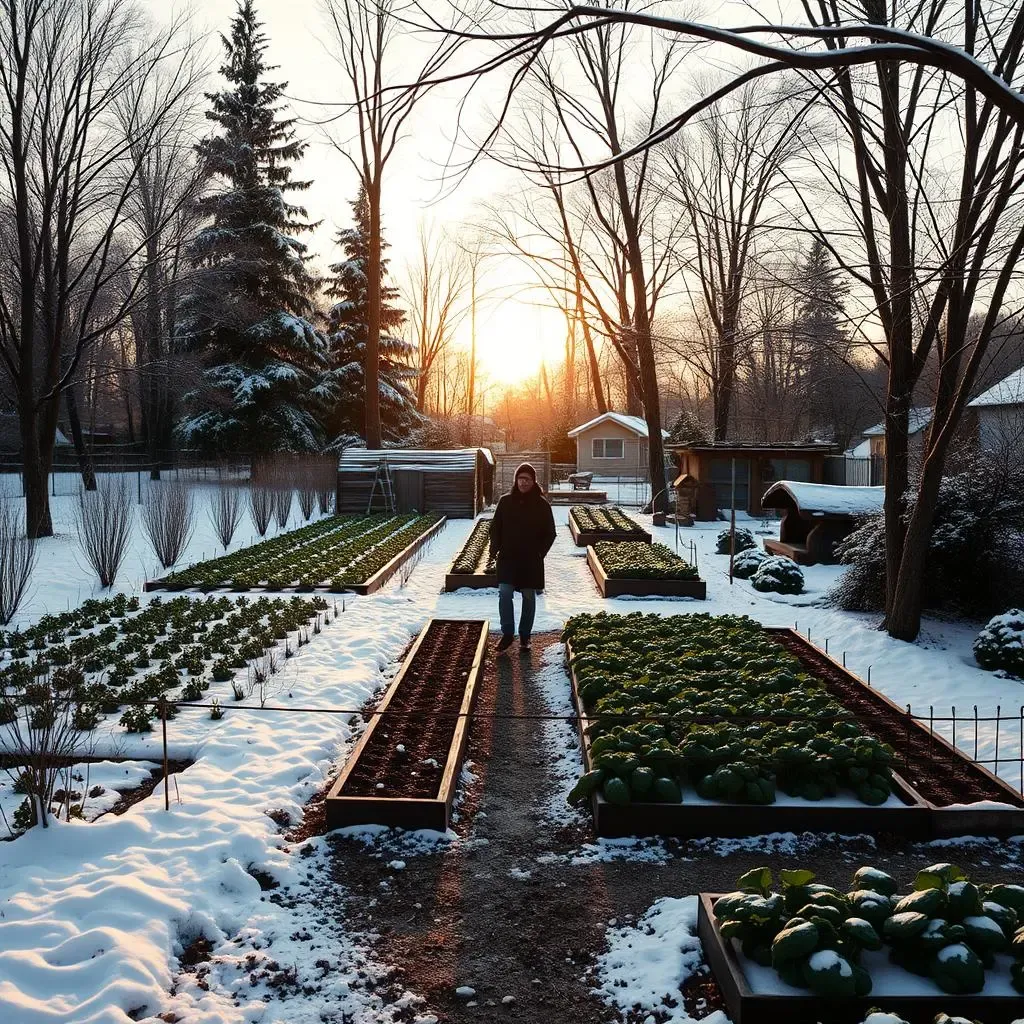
<point x="427" y="702"/>
<point x="936" y="772"/>
<point x="520" y="906"/>
<point x="130" y="797"/>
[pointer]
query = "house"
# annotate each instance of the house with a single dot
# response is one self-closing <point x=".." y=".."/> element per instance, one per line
<point x="1000" y="413"/>
<point x="706" y="472"/>
<point x="918" y="420"/>
<point x="612" y="444"/>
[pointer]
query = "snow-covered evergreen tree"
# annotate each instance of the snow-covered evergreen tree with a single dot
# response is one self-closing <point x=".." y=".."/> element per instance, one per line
<point x="347" y="340"/>
<point x="248" y="313"/>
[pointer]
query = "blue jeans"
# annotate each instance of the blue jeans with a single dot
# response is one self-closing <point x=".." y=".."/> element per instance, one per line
<point x="506" y="611"/>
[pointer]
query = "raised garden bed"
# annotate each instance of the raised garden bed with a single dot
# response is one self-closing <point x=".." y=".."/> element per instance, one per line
<point x="588" y="526"/>
<point x="472" y="568"/>
<point x="404" y="770"/>
<point x="754" y="994"/>
<point x="944" y="777"/>
<point x="355" y="553"/>
<point x="618" y="586"/>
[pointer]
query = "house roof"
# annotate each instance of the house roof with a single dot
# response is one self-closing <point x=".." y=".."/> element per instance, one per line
<point x="919" y="418"/>
<point x="634" y="423"/>
<point x="752" y="446"/>
<point x="1009" y="391"/>
<point x="827" y="499"/>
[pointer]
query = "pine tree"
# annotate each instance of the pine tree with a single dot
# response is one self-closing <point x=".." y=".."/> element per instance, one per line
<point x="248" y="314"/>
<point x="347" y="341"/>
<point x="823" y="292"/>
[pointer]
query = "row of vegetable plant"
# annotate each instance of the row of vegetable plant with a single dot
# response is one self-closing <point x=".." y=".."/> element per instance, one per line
<point x="475" y="556"/>
<point x="712" y="701"/>
<point x="947" y="929"/>
<point x="604" y="519"/>
<point x="110" y="656"/>
<point x="635" y="560"/>
<point x="332" y="554"/>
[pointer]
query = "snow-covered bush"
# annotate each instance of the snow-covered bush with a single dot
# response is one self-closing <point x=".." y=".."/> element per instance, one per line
<point x="1000" y="645"/>
<point x="744" y="540"/>
<point x="778" y="575"/>
<point x="747" y="562"/>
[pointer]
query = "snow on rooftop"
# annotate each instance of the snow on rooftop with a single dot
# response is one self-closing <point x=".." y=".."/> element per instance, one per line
<point x="635" y="423"/>
<point x="919" y="418"/>
<point x="1009" y="391"/>
<point x="830" y="499"/>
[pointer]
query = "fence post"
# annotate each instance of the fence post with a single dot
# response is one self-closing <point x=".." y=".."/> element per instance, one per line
<point x="163" y="720"/>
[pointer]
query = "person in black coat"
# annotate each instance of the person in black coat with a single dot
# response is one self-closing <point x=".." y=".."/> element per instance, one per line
<point x="522" y="532"/>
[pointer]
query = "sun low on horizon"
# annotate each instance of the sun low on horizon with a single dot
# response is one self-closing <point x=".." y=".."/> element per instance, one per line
<point x="514" y="338"/>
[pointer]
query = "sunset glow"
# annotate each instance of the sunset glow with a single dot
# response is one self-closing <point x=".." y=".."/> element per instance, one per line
<point x="514" y="338"/>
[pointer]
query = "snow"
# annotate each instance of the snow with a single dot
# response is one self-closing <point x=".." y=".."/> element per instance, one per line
<point x="1009" y="391"/>
<point x="94" y="915"/>
<point x="637" y="424"/>
<point x="829" y="959"/>
<point x="832" y="499"/>
<point x="918" y="418"/>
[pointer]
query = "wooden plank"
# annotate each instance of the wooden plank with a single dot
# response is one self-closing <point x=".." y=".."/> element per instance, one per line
<point x="469" y="581"/>
<point x="587" y="538"/>
<point x="618" y="587"/>
<point x="733" y="820"/>
<point x="385" y="572"/>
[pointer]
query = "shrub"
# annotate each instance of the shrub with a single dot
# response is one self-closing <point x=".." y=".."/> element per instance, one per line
<point x="261" y="505"/>
<point x="1000" y="645"/>
<point x="744" y="540"/>
<point x="103" y="520"/>
<point x="747" y="562"/>
<point x="778" y="575"/>
<point x="226" y="512"/>
<point x="17" y="559"/>
<point x="168" y="519"/>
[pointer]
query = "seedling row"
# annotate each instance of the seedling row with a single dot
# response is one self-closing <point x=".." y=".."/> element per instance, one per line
<point x="473" y="566"/>
<point x="589" y="525"/>
<point x="629" y="567"/>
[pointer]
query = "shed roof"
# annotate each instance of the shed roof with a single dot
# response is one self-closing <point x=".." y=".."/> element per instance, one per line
<point x="919" y="418"/>
<point x="752" y="446"/>
<point x="358" y="460"/>
<point x="1009" y="391"/>
<point x="828" y="499"/>
<point x="634" y="423"/>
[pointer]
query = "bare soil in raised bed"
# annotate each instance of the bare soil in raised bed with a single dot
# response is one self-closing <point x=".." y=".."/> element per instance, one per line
<point x="519" y="907"/>
<point x="928" y="765"/>
<point x="406" y="753"/>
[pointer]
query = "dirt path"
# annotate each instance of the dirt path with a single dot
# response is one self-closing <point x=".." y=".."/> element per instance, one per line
<point x="523" y="933"/>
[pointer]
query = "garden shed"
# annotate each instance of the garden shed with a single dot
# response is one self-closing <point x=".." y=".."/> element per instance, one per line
<point x="817" y="516"/>
<point x="457" y="483"/>
<point x="612" y="444"/>
<point x="707" y="470"/>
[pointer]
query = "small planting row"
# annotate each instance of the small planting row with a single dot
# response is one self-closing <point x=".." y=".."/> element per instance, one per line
<point x="335" y="554"/>
<point x="643" y="570"/>
<point x="967" y="940"/>
<point x="590" y="524"/>
<point x="474" y="567"/>
<point x="678" y="681"/>
<point x="110" y="656"/>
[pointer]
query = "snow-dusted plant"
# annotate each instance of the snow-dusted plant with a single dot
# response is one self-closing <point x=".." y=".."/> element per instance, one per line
<point x="168" y="518"/>
<point x="744" y="540"/>
<point x="1000" y="645"/>
<point x="778" y="575"/>
<point x="747" y="562"/>
<point x="103" y="521"/>
<point x="17" y="559"/>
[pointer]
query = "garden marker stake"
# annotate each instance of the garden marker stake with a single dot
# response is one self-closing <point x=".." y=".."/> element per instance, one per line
<point x="163" y="722"/>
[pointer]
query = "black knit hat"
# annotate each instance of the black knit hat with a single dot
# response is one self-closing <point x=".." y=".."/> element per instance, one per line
<point x="525" y="467"/>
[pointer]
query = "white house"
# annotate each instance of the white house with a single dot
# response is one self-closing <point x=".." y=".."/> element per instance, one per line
<point x="612" y="444"/>
<point x="1000" y="412"/>
<point x="918" y="420"/>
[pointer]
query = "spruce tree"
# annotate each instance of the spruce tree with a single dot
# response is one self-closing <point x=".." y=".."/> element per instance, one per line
<point x="347" y="341"/>
<point x="248" y="314"/>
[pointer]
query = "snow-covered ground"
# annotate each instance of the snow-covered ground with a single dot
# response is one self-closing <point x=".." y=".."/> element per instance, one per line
<point x="93" y="915"/>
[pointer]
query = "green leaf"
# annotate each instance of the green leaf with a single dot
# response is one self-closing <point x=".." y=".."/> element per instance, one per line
<point x="757" y="880"/>
<point x="928" y="880"/>
<point x="796" y="877"/>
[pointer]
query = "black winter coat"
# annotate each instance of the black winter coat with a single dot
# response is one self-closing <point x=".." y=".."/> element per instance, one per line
<point x="522" y="532"/>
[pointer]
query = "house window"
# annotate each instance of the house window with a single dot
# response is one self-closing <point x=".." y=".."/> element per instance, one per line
<point x="608" y="448"/>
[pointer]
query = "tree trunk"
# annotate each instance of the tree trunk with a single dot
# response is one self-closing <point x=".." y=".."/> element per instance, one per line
<point x="371" y="361"/>
<point x="595" y="369"/>
<point x="36" y="460"/>
<point x="84" y="458"/>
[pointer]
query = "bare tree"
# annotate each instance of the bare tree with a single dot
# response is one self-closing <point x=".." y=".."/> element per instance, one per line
<point x="226" y="511"/>
<point x="261" y="505"/>
<point x="168" y="518"/>
<point x="103" y="522"/>
<point x="69" y="69"/>
<point x="17" y="560"/>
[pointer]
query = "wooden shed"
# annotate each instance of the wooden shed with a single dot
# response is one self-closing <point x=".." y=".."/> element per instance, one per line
<point x="612" y="444"/>
<point x="817" y="516"/>
<point x="709" y="469"/>
<point x="458" y="482"/>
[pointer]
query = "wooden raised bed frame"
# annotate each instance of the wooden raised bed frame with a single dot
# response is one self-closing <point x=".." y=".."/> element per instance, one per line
<point x="372" y="584"/>
<point x="945" y="821"/>
<point x="410" y="812"/>
<point x="620" y="587"/>
<point x="748" y="1007"/>
<point x="730" y="820"/>
<point x="469" y="581"/>
<point x="587" y="538"/>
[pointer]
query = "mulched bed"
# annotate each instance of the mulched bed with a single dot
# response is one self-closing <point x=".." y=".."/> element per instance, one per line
<point x="924" y="762"/>
<point x="430" y="697"/>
